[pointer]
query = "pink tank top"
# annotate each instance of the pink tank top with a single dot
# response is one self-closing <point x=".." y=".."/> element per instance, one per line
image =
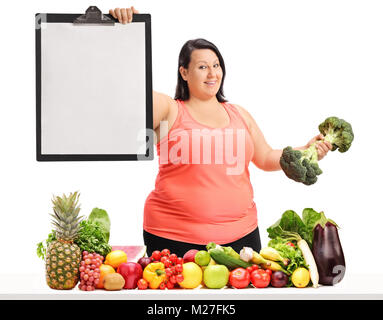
<point x="203" y="191"/>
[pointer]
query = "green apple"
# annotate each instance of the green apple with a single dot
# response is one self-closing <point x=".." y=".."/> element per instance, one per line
<point x="216" y="276"/>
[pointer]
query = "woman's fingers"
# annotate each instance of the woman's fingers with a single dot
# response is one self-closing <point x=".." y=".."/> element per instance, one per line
<point x="124" y="15"/>
<point x="328" y="144"/>
<point x="134" y="10"/>
<point x="322" y="145"/>
<point x="323" y="148"/>
<point x="117" y="11"/>
<point x="130" y="14"/>
<point x="111" y="12"/>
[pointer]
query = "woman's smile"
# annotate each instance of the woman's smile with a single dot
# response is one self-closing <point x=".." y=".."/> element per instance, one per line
<point x="211" y="83"/>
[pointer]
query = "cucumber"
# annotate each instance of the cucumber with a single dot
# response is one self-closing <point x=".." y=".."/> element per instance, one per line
<point x="220" y="257"/>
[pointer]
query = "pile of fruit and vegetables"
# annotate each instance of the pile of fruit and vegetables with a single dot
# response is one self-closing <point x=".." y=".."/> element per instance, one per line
<point x="302" y="252"/>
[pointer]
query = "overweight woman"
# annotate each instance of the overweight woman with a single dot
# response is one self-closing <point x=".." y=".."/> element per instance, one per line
<point x="205" y="145"/>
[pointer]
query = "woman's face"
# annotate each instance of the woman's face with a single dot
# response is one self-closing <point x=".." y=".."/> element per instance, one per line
<point x="203" y="75"/>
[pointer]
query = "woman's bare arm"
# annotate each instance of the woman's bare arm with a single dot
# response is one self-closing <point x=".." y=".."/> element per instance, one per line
<point x="267" y="158"/>
<point x="161" y="107"/>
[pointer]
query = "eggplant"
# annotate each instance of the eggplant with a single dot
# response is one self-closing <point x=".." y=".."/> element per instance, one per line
<point x="327" y="252"/>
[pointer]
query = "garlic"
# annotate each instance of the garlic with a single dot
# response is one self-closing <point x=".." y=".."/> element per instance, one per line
<point x="246" y="254"/>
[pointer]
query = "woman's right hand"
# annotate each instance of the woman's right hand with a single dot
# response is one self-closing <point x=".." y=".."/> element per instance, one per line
<point x="124" y="15"/>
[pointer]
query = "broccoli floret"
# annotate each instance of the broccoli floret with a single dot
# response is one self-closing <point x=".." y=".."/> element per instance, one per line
<point x="338" y="132"/>
<point x="302" y="165"/>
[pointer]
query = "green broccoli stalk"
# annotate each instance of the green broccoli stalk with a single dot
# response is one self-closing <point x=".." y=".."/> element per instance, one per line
<point x="302" y="165"/>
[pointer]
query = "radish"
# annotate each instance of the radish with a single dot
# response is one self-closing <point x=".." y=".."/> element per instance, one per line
<point x="310" y="261"/>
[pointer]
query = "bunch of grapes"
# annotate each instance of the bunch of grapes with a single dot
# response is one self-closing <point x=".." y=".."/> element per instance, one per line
<point x="90" y="270"/>
<point x="173" y="267"/>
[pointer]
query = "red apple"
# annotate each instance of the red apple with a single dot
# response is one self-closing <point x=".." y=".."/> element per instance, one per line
<point x="189" y="256"/>
<point x="131" y="272"/>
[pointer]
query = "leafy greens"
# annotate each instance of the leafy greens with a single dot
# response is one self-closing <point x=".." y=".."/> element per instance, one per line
<point x="294" y="254"/>
<point x="291" y="227"/>
<point x="93" y="235"/>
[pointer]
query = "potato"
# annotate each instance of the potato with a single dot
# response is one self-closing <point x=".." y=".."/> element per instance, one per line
<point x="113" y="281"/>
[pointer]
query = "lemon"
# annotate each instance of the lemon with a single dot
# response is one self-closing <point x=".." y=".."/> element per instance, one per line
<point x="300" y="277"/>
<point x="115" y="258"/>
<point x="192" y="273"/>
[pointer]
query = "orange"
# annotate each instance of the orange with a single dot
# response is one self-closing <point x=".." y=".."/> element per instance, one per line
<point x="104" y="270"/>
<point x="115" y="258"/>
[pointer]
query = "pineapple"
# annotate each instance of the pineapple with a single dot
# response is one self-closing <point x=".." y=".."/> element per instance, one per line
<point x="63" y="255"/>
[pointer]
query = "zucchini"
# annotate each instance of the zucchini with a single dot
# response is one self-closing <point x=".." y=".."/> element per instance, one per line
<point x="220" y="257"/>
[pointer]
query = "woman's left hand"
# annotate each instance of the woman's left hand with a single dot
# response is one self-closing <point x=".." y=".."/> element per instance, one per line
<point x="322" y="147"/>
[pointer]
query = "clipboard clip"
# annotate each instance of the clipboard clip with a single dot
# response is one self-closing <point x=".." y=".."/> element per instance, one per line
<point x="93" y="15"/>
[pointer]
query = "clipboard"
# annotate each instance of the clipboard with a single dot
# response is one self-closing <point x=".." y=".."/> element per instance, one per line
<point x="93" y="87"/>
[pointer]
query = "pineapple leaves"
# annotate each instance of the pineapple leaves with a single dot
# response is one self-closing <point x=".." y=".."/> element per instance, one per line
<point x="90" y="234"/>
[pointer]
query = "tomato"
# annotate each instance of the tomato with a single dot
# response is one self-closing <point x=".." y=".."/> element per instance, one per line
<point x="252" y="268"/>
<point x="142" y="284"/>
<point x="164" y="259"/>
<point x="173" y="258"/>
<point x="290" y="244"/>
<point x="169" y="285"/>
<point x="165" y="252"/>
<point x="179" y="278"/>
<point x="156" y="255"/>
<point x="260" y="278"/>
<point x="239" y="278"/>
<point x="178" y="268"/>
<point x="269" y="272"/>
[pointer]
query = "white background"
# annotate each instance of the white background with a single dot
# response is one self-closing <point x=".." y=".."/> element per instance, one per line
<point x="289" y="63"/>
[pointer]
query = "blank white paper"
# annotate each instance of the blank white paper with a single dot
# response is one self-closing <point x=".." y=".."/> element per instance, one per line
<point x="93" y="93"/>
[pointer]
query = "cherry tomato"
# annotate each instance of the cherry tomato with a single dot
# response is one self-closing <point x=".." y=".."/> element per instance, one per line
<point x="168" y="272"/>
<point x="169" y="285"/>
<point x="167" y="263"/>
<point x="239" y="278"/>
<point x="142" y="284"/>
<point x="165" y="252"/>
<point x="162" y="286"/>
<point x="173" y="279"/>
<point x="179" y="278"/>
<point x="156" y="255"/>
<point x="260" y="278"/>
<point x="290" y="244"/>
<point x="173" y="258"/>
<point x="178" y="268"/>
<point x="164" y="259"/>
<point x="180" y="260"/>
<point x="269" y="272"/>
<point x="255" y="267"/>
